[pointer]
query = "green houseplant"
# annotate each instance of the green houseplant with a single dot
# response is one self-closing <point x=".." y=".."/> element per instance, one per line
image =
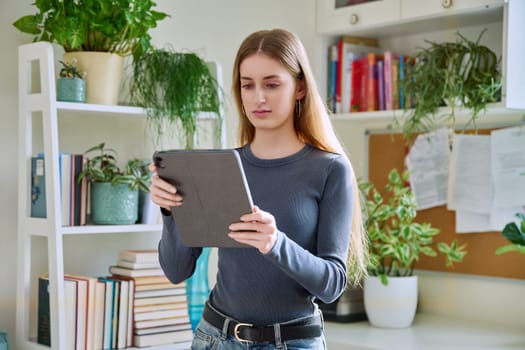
<point x="99" y="33"/>
<point x="396" y="242"/>
<point x="71" y="84"/>
<point x="463" y="73"/>
<point x="515" y="235"/>
<point x="117" y="26"/>
<point x="114" y="191"/>
<point x="174" y="87"/>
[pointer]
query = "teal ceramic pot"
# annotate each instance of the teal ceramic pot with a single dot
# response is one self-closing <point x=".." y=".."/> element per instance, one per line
<point x="113" y="205"/>
<point x="71" y="90"/>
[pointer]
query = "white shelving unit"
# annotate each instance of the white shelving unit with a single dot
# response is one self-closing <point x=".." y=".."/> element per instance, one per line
<point x="38" y="95"/>
<point x="403" y="26"/>
<point x="409" y="25"/>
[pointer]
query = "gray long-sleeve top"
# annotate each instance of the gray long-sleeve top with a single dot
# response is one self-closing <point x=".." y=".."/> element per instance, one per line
<point x="310" y="194"/>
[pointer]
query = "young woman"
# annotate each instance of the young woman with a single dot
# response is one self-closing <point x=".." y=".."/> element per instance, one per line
<point x="305" y="215"/>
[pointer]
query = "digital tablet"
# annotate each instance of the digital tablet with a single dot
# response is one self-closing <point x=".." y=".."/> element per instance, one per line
<point x="215" y="193"/>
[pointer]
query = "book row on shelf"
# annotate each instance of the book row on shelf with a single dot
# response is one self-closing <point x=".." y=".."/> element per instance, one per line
<point x="135" y="306"/>
<point x="74" y="195"/>
<point x="362" y="77"/>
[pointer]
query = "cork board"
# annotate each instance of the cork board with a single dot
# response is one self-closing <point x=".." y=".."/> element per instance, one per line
<point x="386" y="151"/>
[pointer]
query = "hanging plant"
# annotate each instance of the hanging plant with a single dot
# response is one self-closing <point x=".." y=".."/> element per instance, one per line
<point x="456" y="74"/>
<point x="175" y="88"/>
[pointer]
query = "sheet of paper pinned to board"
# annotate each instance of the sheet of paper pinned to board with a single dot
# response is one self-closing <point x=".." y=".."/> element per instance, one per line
<point x="508" y="166"/>
<point x="427" y="163"/>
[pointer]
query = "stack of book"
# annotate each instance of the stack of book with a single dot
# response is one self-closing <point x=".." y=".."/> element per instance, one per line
<point x="362" y="77"/>
<point x="95" y="312"/>
<point x="160" y="308"/>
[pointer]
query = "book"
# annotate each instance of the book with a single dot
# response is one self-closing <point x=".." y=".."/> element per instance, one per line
<point x="152" y="280"/>
<point x="159" y="292"/>
<point x="139" y="256"/>
<point x="126" y="311"/>
<point x="332" y="77"/>
<point x="388" y="60"/>
<point x="44" y="323"/>
<point x="176" y="327"/>
<point x="159" y="314"/>
<point x="155" y="286"/>
<point x="84" y="195"/>
<point x="108" y="312"/>
<point x="43" y="317"/>
<point x="177" y="339"/>
<point x="355" y="92"/>
<point x="401" y="77"/>
<point x="65" y="186"/>
<point x="160" y="307"/>
<point x="122" y="271"/>
<point x="372" y="92"/>
<point x="180" y="298"/>
<point x="395" y="83"/>
<point x="82" y="311"/>
<point x="363" y="76"/>
<point x="138" y="265"/>
<point x="38" y="187"/>
<point x="90" y="307"/>
<point x="162" y="322"/>
<point x="100" y="298"/>
<point x="75" y="190"/>
<point x="123" y="315"/>
<point x="350" y="48"/>
<point x="381" y="85"/>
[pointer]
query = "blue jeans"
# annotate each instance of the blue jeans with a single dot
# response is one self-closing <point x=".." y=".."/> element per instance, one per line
<point x="207" y="337"/>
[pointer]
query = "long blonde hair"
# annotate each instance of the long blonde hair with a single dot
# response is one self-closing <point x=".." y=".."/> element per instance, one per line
<point x="312" y="122"/>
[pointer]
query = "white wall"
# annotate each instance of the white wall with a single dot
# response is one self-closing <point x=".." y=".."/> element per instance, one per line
<point x="214" y="29"/>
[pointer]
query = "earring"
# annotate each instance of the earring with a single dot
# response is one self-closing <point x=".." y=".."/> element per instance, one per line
<point x="298" y="108"/>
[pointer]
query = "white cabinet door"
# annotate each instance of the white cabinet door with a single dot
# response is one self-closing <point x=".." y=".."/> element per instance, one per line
<point x="513" y="52"/>
<point x="417" y="9"/>
<point x="338" y="17"/>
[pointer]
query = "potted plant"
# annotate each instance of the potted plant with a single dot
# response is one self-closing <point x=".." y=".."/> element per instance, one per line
<point x="174" y="87"/>
<point x="396" y="242"/>
<point x="515" y="235"/>
<point x="456" y="74"/>
<point x="71" y="84"/>
<point x="99" y="33"/>
<point x="114" y="192"/>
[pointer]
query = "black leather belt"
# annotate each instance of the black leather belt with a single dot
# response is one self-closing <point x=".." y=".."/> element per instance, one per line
<point x="310" y="327"/>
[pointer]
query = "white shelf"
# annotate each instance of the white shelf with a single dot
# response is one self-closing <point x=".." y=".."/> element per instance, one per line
<point x="462" y="115"/>
<point x="99" y="229"/>
<point x="428" y="332"/>
<point x="41" y="55"/>
<point x="40" y="227"/>
<point x="87" y="107"/>
<point x="123" y="110"/>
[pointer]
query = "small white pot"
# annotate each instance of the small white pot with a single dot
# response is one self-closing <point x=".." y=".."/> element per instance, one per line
<point x="393" y="305"/>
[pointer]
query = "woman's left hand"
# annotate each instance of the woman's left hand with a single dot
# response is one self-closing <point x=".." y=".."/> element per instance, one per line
<point x="256" y="229"/>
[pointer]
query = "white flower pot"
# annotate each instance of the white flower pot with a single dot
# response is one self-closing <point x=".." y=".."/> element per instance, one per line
<point x="393" y="305"/>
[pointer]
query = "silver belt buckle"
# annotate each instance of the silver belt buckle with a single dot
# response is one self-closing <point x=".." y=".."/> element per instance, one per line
<point x="236" y="332"/>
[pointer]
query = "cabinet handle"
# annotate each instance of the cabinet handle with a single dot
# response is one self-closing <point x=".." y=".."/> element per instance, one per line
<point x="354" y="18"/>
<point x="446" y="3"/>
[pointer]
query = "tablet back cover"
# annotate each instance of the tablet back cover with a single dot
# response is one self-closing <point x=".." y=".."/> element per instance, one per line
<point x="215" y="192"/>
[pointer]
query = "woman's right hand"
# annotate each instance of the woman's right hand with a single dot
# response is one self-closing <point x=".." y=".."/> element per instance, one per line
<point x="163" y="193"/>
